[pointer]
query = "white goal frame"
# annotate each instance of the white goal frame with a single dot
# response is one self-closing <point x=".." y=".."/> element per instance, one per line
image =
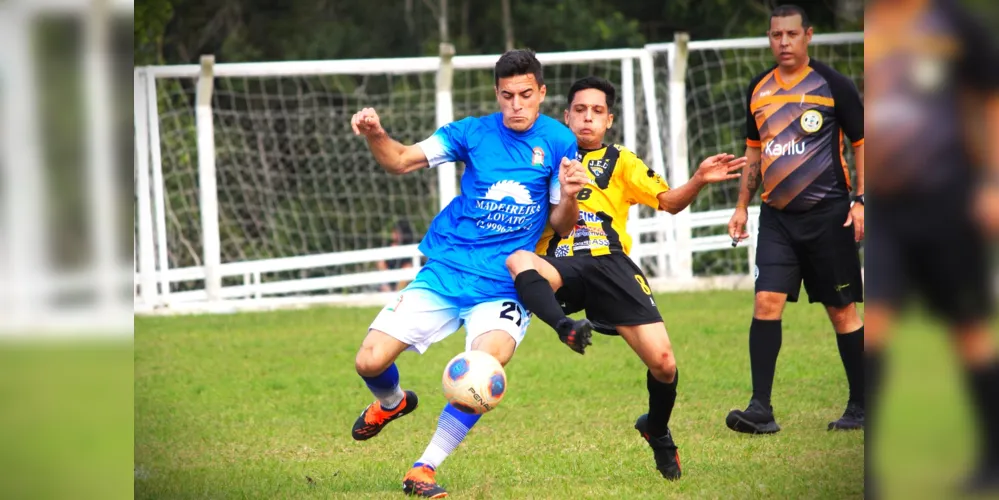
<point x="671" y="252"/>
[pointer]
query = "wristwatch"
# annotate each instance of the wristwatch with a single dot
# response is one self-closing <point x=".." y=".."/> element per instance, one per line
<point x="858" y="198"/>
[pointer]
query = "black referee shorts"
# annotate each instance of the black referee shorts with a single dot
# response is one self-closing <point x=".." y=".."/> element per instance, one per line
<point x="813" y="247"/>
<point x="930" y="248"/>
<point x="611" y="288"/>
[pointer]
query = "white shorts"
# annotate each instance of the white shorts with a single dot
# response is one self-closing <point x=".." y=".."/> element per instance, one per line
<point x="421" y="317"/>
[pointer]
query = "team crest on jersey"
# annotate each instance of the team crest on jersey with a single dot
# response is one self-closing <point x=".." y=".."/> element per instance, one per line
<point x="598" y="167"/>
<point x="509" y="190"/>
<point x="538" y="156"/>
<point x="811" y="121"/>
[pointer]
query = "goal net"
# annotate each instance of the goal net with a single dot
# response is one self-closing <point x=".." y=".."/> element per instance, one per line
<point x="305" y="213"/>
<point x="294" y="181"/>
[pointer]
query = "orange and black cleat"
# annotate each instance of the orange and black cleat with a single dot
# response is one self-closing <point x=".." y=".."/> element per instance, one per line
<point x="373" y="419"/>
<point x="420" y="482"/>
<point x="663" y="449"/>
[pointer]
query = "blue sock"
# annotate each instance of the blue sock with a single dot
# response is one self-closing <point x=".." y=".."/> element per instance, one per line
<point x="386" y="388"/>
<point x="452" y="427"/>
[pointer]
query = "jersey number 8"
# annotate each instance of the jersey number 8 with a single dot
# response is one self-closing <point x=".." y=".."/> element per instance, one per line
<point x="641" y="282"/>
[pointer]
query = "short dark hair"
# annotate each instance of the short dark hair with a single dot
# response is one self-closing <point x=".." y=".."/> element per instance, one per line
<point x="519" y="62"/>
<point x="788" y="10"/>
<point x="593" y="82"/>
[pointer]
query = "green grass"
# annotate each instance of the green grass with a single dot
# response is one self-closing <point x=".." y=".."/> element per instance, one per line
<point x="260" y="406"/>
<point x="65" y="418"/>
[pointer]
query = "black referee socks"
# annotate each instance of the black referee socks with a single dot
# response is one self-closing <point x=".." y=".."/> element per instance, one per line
<point x="765" y="337"/>
<point x="537" y="296"/>
<point x="851" y="351"/>
<point x="984" y="385"/>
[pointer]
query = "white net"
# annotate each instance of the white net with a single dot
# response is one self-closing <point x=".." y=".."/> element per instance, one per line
<point x="716" y="116"/>
<point x="293" y="180"/>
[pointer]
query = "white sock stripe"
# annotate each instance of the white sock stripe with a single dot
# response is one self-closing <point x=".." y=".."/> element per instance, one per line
<point x="449" y="434"/>
<point x="390" y="399"/>
<point x="433" y="456"/>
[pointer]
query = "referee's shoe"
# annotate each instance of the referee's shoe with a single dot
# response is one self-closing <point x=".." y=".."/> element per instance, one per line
<point x="758" y="418"/>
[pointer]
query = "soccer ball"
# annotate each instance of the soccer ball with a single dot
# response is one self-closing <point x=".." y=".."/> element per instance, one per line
<point x="474" y="382"/>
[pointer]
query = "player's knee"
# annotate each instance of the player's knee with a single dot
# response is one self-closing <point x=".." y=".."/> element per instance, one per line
<point x="498" y="344"/>
<point x="975" y="344"/>
<point x="768" y="306"/>
<point x="664" y="367"/>
<point x="519" y="261"/>
<point x="502" y="354"/>
<point x="368" y="364"/>
<point x="844" y="319"/>
<point x="877" y="323"/>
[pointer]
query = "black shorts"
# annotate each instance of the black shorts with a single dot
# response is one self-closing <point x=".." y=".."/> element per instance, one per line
<point x="931" y="248"/>
<point x="813" y="247"/>
<point x="611" y="288"/>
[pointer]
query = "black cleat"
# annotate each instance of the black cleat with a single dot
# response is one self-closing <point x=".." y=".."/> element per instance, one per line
<point x="663" y="449"/>
<point x="374" y="418"/>
<point x="755" y="419"/>
<point x="984" y="480"/>
<point x="852" y="419"/>
<point x="575" y="333"/>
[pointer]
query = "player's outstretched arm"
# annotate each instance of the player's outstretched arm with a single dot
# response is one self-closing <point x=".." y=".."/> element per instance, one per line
<point x="392" y="155"/>
<point x="572" y="179"/>
<point x="717" y="168"/>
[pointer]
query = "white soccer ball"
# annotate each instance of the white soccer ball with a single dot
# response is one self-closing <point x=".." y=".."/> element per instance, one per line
<point x="474" y="382"/>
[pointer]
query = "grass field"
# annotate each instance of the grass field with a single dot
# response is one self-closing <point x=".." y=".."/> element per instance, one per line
<point x="260" y="406"/>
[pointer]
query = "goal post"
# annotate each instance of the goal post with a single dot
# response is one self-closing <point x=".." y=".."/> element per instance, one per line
<point x="207" y="183"/>
<point x="446" y="178"/>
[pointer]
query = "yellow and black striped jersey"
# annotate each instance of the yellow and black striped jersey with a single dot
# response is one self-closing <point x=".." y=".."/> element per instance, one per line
<point x="619" y="179"/>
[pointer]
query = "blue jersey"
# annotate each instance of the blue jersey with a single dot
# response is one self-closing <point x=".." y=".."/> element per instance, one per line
<point x="510" y="178"/>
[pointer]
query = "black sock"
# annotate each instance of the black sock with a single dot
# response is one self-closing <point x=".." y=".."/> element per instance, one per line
<point x="537" y="296"/>
<point x="851" y="351"/>
<point x="764" y="346"/>
<point x="662" y="397"/>
<point x="984" y="382"/>
<point x="873" y="368"/>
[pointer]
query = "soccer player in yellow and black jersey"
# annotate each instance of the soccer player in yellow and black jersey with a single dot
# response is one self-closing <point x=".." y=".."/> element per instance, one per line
<point x="797" y="114"/>
<point x="590" y="268"/>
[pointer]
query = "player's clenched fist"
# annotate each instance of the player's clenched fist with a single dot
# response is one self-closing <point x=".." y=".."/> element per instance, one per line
<point x="572" y="177"/>
<point x="366" y="122"/>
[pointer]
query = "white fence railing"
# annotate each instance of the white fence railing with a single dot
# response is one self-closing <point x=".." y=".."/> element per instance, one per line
<point x="47" y="289"/>
<point x="176" y="272"/>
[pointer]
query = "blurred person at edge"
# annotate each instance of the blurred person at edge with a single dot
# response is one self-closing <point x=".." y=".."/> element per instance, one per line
<point x="932" y="83"/>
<point x="402" y="234"/>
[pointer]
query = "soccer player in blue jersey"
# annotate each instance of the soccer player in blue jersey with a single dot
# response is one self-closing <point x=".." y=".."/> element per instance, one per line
<point x="520" y="173"/>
